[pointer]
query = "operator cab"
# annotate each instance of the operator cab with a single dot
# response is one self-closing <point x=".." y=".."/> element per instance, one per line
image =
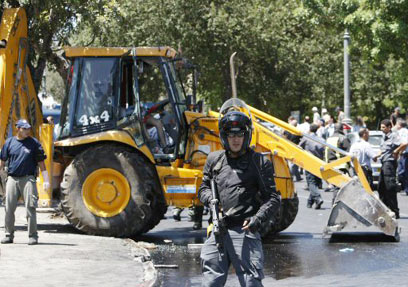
<point x="141" y="95"/>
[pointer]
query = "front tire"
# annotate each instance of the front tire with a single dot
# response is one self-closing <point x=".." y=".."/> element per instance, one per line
<point x="112" y="190"/>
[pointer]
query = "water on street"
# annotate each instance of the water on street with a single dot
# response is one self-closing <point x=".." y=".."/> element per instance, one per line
<point x="298" y="256"/>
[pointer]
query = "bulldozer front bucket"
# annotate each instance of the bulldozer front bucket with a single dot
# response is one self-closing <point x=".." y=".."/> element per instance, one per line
<point x="354" y="206"/>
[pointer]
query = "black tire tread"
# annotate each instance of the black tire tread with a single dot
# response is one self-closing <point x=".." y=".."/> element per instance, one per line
<point x="152" y="205"/>
<point x="283" y="218"/>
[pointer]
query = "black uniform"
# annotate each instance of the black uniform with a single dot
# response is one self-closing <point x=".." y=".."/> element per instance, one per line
<point x="246" y="188"/>
<point x="387" y="183"/>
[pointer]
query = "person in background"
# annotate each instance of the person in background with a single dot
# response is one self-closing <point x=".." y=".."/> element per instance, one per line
<point x="313" y="182"/>
<point x="395" y="115"/>
<point x="359" y="124"/>
<point x="329" y="126"/>
<point x="195" y="212"/>
<point x="305" y="126"/>
<point x="294" y="169"/>
<point x="316" y="115"/>
<point x="23" y="155"/>
<point x="390" y="149"/>
<point x="50" y="120"/>
<point x="340" y="114"/>
<point x="321" y="131"/>
<point x="339" y="140"/>
<point x="402" y="169"/>
<point x="363" y="151"/>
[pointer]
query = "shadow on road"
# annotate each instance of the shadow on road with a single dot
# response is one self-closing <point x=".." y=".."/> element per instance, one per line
<point x="345" y="237"/>
<point x="52" y="228"/>
<point x="179" y="236"/>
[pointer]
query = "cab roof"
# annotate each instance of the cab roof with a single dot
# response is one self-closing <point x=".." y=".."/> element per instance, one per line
<point x="163" y="51"/>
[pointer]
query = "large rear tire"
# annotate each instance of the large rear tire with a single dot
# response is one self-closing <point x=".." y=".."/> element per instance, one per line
<point x="111" y="190"/>
<point x="283" y="218"/>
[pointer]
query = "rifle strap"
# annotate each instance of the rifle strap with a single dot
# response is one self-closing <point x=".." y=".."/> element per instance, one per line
<point x="217" y="165"/>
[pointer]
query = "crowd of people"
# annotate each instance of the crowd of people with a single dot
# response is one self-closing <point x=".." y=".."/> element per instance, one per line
<point x="393" y="153"/>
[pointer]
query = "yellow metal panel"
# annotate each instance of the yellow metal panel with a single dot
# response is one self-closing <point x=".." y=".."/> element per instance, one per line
<point x="117" y="136"/>
<point x="164" y="51"/>
<point x="13" y="27"/>
<point x="46" y="134"/>
<point x="202" y="139"/>
<point x="16" y="86"/>
<point x="180" y="185"/>
<point x="361" y="175"/>
<point x="283" y="178"/>
<point x="191" y="116"/>
<point x="337" y="163"/>
<point x="288" y="150"/>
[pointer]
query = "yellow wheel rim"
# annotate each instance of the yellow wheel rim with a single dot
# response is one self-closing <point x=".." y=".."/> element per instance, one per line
<point x="106" y="192"/>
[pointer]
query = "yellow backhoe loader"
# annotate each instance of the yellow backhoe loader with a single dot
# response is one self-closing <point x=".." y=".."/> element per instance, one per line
<point x="131" y="142"/>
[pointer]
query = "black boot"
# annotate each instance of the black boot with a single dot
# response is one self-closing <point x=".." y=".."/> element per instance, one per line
<point x="176" y="213"/>
<point x="319" y="203"/>
<point x="198" y="217"/>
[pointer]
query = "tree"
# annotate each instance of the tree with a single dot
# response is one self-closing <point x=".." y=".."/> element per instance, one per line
<point x="50" y="23"/>
<point x="379" y="50"/>
<point x="283" y="63"/>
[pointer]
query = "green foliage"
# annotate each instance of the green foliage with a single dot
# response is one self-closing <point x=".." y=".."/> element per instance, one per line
<point x="54" y="85"/>
<point x="290" y="53"/>
<point x="49" y="25"/>
<point x="282" y="63"/>
<point x="379" y="50"/>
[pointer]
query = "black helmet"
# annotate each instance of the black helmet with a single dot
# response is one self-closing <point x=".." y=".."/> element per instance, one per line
<point x="235" y="122"/>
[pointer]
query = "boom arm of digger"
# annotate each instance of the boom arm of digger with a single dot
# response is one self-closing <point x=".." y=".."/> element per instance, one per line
<point x="290" y="151"/>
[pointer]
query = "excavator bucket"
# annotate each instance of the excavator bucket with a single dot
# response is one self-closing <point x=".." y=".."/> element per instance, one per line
<point x="354" y="206"/>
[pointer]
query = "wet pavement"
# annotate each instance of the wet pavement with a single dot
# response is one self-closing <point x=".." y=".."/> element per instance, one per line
<point x="298" y="256"/>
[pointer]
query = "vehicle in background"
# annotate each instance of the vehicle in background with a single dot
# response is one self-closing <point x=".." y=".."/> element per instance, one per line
<point x="375" y="140"/>
<point x="347" y="129"/>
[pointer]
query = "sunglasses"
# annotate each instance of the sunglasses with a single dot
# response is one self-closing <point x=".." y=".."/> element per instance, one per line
<point x="237" y="135"/>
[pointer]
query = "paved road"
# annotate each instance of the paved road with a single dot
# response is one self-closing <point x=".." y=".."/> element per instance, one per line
<point x="64" y="257"/>
<point x="299" y="256"/>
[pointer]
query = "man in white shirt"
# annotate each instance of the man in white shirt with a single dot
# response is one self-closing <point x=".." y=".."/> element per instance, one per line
<point x="316" y="115"/>
<point x="363" y="151"/>
<point x="305" y="126"/>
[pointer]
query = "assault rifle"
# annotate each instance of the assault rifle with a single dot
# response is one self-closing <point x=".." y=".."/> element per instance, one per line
<point x="215" y="213"/>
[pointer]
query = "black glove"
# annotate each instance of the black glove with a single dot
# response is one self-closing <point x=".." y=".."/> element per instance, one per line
<point x="213" y="202"/>
<point x="254" y="224"/>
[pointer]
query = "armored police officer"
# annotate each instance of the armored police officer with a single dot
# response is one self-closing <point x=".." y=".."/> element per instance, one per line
<point x="247" y="195"/>
<point x="23" y="155"/>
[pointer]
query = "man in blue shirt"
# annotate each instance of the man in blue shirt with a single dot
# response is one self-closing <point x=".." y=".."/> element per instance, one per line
<point x="23" y="155"/>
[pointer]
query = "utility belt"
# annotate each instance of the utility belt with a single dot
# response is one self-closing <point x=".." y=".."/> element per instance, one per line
<point x="232" y="222"/>
<point x="20" y="176"/>
<point x="229" y="222"/>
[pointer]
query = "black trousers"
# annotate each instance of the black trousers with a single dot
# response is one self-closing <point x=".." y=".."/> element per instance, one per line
<point x="387" y="186"/>
<point x="368" y="172"/>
